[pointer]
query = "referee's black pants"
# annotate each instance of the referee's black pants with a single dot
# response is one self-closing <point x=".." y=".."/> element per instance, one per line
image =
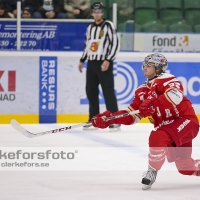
<point x="94" y="77"/>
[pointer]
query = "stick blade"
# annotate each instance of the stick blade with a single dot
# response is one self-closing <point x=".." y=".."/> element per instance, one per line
<point x="19" y="128"/>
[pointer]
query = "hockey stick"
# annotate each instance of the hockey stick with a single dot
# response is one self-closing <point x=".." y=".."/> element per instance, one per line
<point x="28" y="134"/>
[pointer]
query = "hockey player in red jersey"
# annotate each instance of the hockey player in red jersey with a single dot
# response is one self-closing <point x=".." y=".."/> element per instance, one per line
<point x="161" y="99"/>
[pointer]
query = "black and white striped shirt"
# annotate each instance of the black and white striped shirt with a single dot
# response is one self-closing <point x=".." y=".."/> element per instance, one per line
<point x="102" y="42"/>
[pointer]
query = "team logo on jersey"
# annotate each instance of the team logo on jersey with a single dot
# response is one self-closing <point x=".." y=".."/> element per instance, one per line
<point x="94" y="46"/>
<point x="101" y="34"/>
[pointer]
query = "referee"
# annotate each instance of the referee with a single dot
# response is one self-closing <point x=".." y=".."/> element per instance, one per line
<point x="101" y="47"/>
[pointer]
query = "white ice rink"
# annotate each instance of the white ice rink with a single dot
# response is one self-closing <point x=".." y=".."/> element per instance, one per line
<point x="90" y="184"/>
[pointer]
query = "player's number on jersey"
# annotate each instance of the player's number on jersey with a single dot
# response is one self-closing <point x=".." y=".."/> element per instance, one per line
<point x="176" y="84"/>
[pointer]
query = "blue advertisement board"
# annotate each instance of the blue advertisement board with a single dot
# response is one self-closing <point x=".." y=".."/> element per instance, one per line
<point x="44" y="36"/>
<point x="48" y="90"/>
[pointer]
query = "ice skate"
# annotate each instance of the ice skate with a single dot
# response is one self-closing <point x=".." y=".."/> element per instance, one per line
<point x="149" y="178"/>
<point x="89" y="127"/>
<point x="114" y="127"/>
<point x="197" y="166"/>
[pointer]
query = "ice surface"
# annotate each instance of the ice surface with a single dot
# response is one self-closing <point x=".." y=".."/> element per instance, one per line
<point x="94" y="184"/>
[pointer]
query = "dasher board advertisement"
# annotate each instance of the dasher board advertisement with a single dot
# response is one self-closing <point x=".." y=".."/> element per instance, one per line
<point x="43" y="36"/>
<point x="170" y="42"/>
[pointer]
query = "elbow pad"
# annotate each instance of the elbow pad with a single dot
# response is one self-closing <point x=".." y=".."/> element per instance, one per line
<point x="174" y="96"/>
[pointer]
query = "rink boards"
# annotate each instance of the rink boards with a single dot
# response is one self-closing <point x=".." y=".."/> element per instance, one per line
<point x="46" y="87"/>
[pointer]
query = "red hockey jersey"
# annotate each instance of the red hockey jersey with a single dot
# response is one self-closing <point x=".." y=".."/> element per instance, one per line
<point x="170" y="102"/>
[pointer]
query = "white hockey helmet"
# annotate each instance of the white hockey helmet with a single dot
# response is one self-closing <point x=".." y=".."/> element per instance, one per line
<point x="158" y="60"/>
